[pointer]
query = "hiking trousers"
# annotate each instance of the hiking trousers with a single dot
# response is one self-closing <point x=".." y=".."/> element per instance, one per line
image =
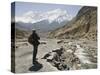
<point x="35" y="49"/>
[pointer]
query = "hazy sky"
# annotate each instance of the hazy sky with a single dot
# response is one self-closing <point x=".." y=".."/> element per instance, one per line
<point x="23" y="7"/>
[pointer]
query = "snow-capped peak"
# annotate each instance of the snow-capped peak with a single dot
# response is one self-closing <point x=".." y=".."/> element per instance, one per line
<point x="57" y="15"/>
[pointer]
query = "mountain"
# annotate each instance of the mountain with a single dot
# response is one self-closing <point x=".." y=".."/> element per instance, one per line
<point x="84" y="25"/>
<point x="41" y="26"/>
<point x="23" y="26"/>
<point x="43" y="21"/>
<point x="57" y="15"/>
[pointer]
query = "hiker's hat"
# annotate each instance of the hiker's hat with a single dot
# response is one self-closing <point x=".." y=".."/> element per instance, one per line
<point x="33" y="29"/>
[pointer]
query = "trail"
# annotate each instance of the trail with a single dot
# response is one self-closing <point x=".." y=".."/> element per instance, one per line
<point x="24" y="57"/>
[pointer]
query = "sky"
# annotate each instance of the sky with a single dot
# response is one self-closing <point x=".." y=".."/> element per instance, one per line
<point x="23" y="7"/>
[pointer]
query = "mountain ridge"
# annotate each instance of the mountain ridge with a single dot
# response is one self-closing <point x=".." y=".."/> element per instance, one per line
<point x="84" y="26"/>
<point x="57" y="15"/>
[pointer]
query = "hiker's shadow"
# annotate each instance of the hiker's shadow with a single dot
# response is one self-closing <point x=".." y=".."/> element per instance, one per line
<point x="37" y="66"/>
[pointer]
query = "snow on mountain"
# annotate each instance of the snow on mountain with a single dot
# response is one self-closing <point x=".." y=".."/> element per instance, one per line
<point x="56" y="15"/>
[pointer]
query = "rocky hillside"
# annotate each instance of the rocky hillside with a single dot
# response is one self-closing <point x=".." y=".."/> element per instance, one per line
<point x="20" y="33"/>
<point x="84" y="25"/>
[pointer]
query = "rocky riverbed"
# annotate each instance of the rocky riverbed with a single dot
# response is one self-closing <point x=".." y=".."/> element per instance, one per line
<point x="56" y="55"/>
<point x="74" y="55"/>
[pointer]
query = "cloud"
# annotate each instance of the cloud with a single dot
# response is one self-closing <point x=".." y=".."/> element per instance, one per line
<point x="53" y="15"/>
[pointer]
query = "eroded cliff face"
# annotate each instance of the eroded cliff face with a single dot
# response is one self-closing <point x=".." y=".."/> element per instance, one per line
<point x="83" y="26"/>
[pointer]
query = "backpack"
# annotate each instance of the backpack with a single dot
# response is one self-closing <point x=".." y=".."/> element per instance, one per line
<point x="30" y="39"/>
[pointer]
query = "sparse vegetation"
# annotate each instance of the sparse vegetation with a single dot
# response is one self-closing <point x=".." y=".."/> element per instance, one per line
<point x="84" y="26"/>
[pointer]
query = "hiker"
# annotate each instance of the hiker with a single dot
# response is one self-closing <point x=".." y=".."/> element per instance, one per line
<point x="34" y="40"/>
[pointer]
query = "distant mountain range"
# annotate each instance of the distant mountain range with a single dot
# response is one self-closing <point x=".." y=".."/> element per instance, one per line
<point x="42" y="21"/>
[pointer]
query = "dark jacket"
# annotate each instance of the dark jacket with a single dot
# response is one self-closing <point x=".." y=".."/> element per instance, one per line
<point x="35" y="38"/>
